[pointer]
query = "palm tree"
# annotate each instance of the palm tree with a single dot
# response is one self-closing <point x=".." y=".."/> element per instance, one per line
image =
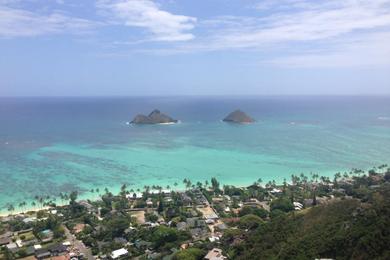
<point x="41" y="201"/>
<point x="11" y="208"/>
<point x="21" y="205"/>
<point x="336" y="177"/>
<point x="188" y="184"/>
<point x="66" y="197"/>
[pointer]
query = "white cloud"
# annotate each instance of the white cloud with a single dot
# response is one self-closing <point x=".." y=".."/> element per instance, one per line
<point x="16" y="22"/>
<point x="164" y="26"/>
<point x="312" y="22"/>
<point x="303" y="33"/>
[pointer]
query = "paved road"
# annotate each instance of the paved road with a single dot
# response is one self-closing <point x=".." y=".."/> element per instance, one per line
<point x="78" y="244"/>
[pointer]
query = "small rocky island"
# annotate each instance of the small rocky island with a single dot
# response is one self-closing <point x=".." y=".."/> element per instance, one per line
<point x="239" y="117"/>
<point x="155" y="117"/>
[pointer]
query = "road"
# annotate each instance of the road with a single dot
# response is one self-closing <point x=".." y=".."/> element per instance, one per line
<point x="79" y="245"/>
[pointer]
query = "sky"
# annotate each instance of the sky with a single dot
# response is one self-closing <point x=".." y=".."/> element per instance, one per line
<point x="194" y="47"/>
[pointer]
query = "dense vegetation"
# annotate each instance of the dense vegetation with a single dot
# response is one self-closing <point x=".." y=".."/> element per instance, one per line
<point x="343" y="229"/>
<point x="311" y="217"/>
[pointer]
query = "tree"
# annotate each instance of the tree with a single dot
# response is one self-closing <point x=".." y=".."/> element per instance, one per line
<point x="117" y="226"/>
<point x="189" y="254"/>
<point x="163" y="234"/>
<point x="73" y="197"/>
<point x="246" y="210"/>
<point x="214" y="184"/>
<point x="282" y="204"/>
<point x="123" y="190"/>
<point x="11" y="208"/>
<point x="250" y="222"/>
<point x="160" y="207"/>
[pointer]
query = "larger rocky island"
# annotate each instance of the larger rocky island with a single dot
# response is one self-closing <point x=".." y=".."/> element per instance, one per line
<point x="239" y="117"/>
<point x="155" y="117"/>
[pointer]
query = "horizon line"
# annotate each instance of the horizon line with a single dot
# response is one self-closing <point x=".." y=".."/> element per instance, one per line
<point x="197" y="95"/>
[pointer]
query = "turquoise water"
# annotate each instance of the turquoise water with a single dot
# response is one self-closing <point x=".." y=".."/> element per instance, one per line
<point x="53" y="145"/>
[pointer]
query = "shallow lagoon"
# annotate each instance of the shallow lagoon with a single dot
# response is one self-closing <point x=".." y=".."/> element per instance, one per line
<point x="52" y="145"/>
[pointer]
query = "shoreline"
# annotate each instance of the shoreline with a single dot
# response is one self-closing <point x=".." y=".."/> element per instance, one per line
<point x="115" y="190"/>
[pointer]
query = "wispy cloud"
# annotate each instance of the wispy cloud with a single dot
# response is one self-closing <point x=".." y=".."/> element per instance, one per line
<point x="285" y="32"/>
<point x="312" y="22"/>
<point x="15" y="22"/>
<point x="303" y="33"/>
<point x="163" y="25"/>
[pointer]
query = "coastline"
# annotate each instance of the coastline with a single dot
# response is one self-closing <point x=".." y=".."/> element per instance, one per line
<point x="93" y="196"/>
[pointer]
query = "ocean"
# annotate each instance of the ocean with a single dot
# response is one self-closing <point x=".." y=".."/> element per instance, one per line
<point x="61" y="144"/>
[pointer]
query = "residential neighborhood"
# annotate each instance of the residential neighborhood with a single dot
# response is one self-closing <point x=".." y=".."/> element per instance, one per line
<point x="201" y="222"/>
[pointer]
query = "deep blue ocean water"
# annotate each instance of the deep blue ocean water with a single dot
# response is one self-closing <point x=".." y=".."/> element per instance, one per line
<point x="52" y="145"/>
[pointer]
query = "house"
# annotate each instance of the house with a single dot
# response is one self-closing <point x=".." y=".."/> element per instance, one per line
<point x="119" y="253"/>
<point x="217" y="199"/>
<point x="213" y="239"/>
<point x="149" y="203"/>
<point x="37" y="247"/>
<point x="221" y="226"/>
<point x="90" y="208"/>
<point x="6" y="234"/>
<point x="215" y="254"/>
<point x="58" y="249"/>
<point x="5" y="241"/>
<point x="210" y="221"/>
<point x="120" y="240"/>
<point x="199" y="233"/>
<point x="210" y="216"/>
<point x="186" y="199"/>
<point x="42" y="253"/>
<point x="19" y="242"/>
<point x="13" y="247"/>
<point x="181" y="226"/>
<point x="297" y="205"/>
<point x="29" y="220"/>
<point x="30" y="250"/>
<point x="140" y="244"/>
<point x="134" y="196"/>
<point x="276" y="191"/>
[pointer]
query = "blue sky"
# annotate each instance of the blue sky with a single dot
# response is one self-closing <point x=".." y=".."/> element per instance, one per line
<point x="187" y="47"/>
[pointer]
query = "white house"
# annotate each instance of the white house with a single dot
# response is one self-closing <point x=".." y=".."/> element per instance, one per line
<point x="119" y="253"/>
